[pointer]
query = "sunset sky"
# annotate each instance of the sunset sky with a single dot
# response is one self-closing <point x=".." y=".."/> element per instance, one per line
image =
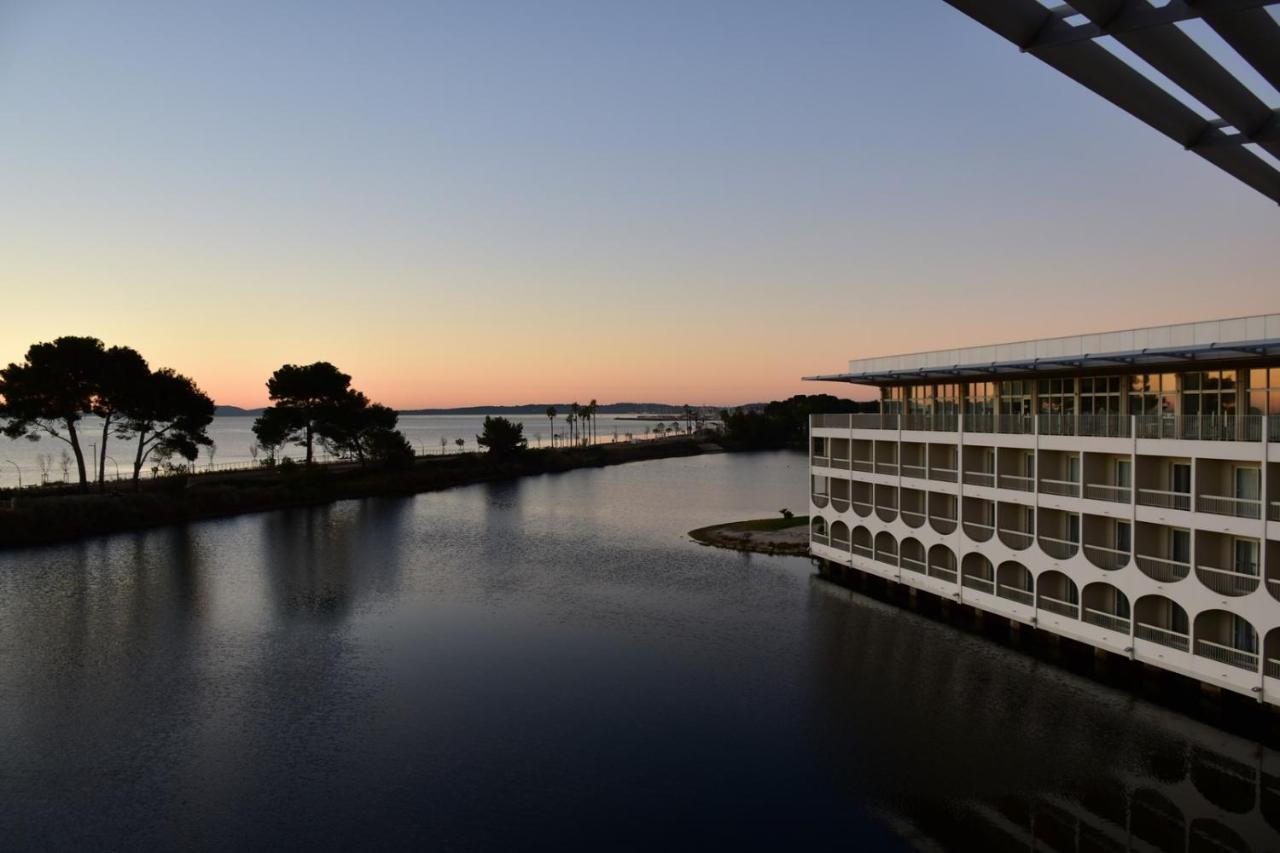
<point x="503" y="202"/>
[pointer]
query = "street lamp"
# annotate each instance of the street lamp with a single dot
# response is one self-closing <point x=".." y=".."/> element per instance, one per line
<point x="117" y="464"/>
<point x="16" y="468"/>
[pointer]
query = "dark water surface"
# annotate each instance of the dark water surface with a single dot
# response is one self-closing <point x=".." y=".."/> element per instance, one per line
<point x="551" y="663"/>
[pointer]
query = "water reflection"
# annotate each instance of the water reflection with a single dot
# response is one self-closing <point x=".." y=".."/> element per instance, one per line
<point x="1045" y="759"/>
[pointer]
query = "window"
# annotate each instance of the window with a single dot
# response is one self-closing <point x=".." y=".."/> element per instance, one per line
<point x="1124" y="536"/>
<point x="1073" y="528"/>
<point x="891" y="401"/>
<point x="1153" y="394"/>
<point x="1057" y="396"/>
<point x="1124" y="473"/>
<point x="1180" y="546"/>
<point x="1246" y="481"/>
<point x="1015" y="398"/>
<point x="1180" y="478"/>
<point x="820" y="486"/>
<point x="1263" y="394"/>
<point x="1245" y="556"/>
<point x="1100" y="395"/>
<point x="1029" y="465"/>
<point x="1243" y="636"/>
<point x="1073" y="468"/>
<point x="819" y="446"/>
<point x="979" y="398"/>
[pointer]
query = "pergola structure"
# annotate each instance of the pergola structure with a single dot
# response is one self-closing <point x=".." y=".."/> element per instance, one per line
<point x="1065" y="37"/>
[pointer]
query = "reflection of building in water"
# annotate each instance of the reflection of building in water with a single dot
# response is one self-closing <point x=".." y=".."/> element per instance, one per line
<point x="1120" y="489"/>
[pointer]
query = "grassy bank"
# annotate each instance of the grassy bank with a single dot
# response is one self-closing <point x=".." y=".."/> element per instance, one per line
<point x="36" y="516"/>
<point x="759" y="535"/>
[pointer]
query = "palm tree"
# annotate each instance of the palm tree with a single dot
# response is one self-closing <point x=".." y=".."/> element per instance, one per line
<point x="575" y="412"/>
<point x="551" y="416"/>
<point x="591" y="409"/>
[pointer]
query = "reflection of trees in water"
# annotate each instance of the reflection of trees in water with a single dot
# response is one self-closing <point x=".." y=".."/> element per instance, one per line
<point x="979" y="747"/>
<point x="320" y="560"/>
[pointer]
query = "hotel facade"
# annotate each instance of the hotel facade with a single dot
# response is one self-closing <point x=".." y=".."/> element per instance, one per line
<point x="1119" y="489"/>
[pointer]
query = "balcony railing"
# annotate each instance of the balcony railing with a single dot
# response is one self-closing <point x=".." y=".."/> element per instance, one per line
<point x="1013" y="593"/>
<point x="1103" y="619"/>
<point x="890" y="557"/>
<point x="916" y="471"/>
<point x="841" y="544"/>
<point x="912" y="518"/>
<point x="913" y="565"/>
<point x="1164" y="500"/>
<point x="890" y="468"/>
<point x="977" y="531"/>
<point x="865" y="465"/>
<point x="1227" y="581"/>
<point x="828" y="421"/>
<point x="942" y="573"/>
<point x="819" y="461"/>
<point x="930" y="422"/>
<point x="819" y="500"/>
<point x="1273" y="512"/>
<point x="1056" y="424"/>
<point x="1115" y="494"/>
<point x="1201" y="427"/>
<point x="873" y="421"/>
<point x="1016" y="539"/>
<point x="1271" y="667"/>
<point x="1017" y="483"/>
<point x="1065" y="488"/>
<point x="1189" y="427"/>
<point x="1238" y="507"/>
<point x="819" y="538"/>
<point x="862" y="550"/>
<point x="1057" y="605"/>
<point x="1162" y="569"/>
<point x="1059" y="549"/>
<point x="943" y="475"/>
<point x="979" y="478"/>
<point x="840" y="504"/>
<point x="980" y="584"/>
<point x="1163" y="636"/>
<point x="980" y="423"/>
<point x="1015" y="424"/>
<point x="1227" y="654"/>
<point x="944" y="524"/>
<point x="837" y="462"/>
<point x="1105" y="426"/>
<point x="862" y="508"/>
<point x="1106" y="558"/>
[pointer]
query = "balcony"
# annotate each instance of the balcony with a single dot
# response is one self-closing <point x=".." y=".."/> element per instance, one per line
<point x="911" y="557"/>
<point x="1163" y="636"/>
<point x="942" y="563"/>
<point x="977" y="531"/>
<point x="979" y="478"/>
<point x="1013" y="593"/>
<point x="1059" y="549"/>
<point x="1230" y="655"/>
<point x="1201" y="427"/>
<point x="1165" y="500"/>
<point x="1163" y="570"/>
<point x="889" y="468"/>
<point x="1273" y="512"/>
<point x="943" y="475"/>
<point x="1228" y="581"/>
<point x="1103" y="619"/>
<point x="916" y="471"/>
<point x="817" y="461"/>
<point x="1237" y="507"/>
<point x="930" y="422"/>
<point x="1014" y="583"/>
<point x="820" y="501"/>
<point x="1064" y="488"/>
<point x="1105" y="557"/>
<point x="1017" y="539"/>
<point x="1114" y="494"/>
<point x="1058" y="606"/>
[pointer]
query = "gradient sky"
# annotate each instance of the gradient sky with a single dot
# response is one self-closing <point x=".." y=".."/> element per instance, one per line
<point x="502" y="202"/>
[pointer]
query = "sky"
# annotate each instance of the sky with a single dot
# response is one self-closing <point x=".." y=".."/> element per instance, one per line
<point x="476" y="202"/>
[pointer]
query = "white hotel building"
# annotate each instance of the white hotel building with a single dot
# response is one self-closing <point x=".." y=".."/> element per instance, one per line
<point x="1119" y="489"/>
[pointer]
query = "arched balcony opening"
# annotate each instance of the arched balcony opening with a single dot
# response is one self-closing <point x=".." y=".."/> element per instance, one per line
<point x="1227" y="638"/>
<point x="942" y="563"/>
<point x="1059" y="533"/>
<point x="942" y="512"/>
<point x="1108" y="542"/>
<point x="912" y="454"/>
<point x="860" y="492"/>
<point x="1015" y="583"/>
<point x="886" y="502"/>
<point x="862" y="542"/>
<point x="911" y="555"/>
<point x="976" y="572"/>
<point x="818" y="531"/>
<point x="886" y="548"/>
<point x="1163" y="551"/>
<point x="1015" y="525"/>
<point x="1271" y="657"/>
<point x="1057" y="593"/>
<point x="1227" y="564"/>
<point x="1273" y="551"/>
<point x="978" y="518"/>
<point x="819" y="490"/>
<point x="839" y="494"/>
<point x="1162" y="620"/>
<point x="839" y="535"/>
<point x="911" y="507"/>
<point x="1106" y="607"/>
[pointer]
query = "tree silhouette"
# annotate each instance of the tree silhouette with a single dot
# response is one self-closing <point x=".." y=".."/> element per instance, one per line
<point x="551" y="416"/>
<point x="51" y="391"/>
<point x="304" y="395"/>
<point x="169" y="415"/>
<point x="502" y="437"/>
<point x="122" y="373"/>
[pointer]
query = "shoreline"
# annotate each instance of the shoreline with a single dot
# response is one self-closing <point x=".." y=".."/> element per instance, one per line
<point x="35" y="519"/>
<point x="777" y="536"/>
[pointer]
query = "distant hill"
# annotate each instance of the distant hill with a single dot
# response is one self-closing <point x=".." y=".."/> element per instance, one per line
<point x="526" y="409"/>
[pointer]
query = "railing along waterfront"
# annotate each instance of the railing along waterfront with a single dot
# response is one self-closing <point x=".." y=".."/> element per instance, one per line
<point x="1163" y="636"/>
<point x="979" y="478"/>
<point x="944" y="475"/>
<point x="1013" y="593"/>
<point x="1221" y="505"/>
<point x="1115" y="494"/>
<point x="1105" y="557"/>
<point x="980" y="584"/>
<point x="1059" y="549"/>
<point x="1057" y="605"/>
<point x="1227" y="581"/>
<point x="1017" y="483"/>
<point x="1240" y="658"/>
<point x="1164" y="500"/>
<point x="1064" y="488"/>
<point x="1162" y="569"/>
<point x="1103" y="619"/>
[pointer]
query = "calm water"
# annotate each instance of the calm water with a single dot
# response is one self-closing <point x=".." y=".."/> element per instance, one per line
<point x="233" y="436"/>
<point x="551" y="663"/>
